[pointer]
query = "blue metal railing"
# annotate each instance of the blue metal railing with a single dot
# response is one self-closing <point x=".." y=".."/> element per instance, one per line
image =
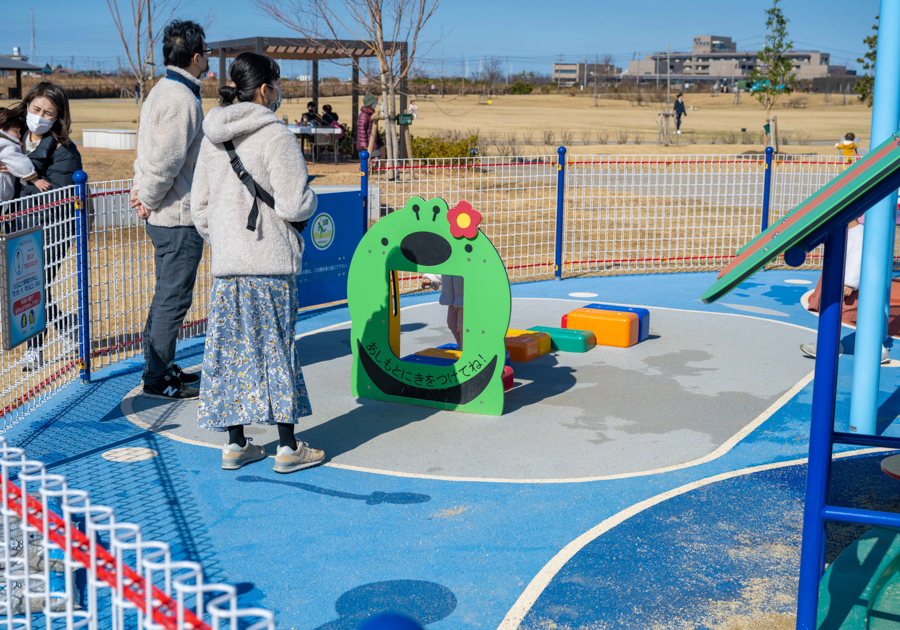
<point x="84" y="302"/>
<point x="560" y="210"/>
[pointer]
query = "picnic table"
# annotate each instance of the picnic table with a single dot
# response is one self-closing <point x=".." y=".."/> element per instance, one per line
<point x="308" y="133"/>
<point x="795" y="103"/>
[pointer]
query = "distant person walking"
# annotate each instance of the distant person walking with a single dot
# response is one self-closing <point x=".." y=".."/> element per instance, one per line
<point x="168" y="144"/>
<point x="137" y="93"/>
<point x="679" y="112"/>
<point x="251" y="369"/>
<point x="848" y="148"/>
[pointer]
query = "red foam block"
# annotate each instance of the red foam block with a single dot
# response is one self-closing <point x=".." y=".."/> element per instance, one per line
<point x="507" y="378"/>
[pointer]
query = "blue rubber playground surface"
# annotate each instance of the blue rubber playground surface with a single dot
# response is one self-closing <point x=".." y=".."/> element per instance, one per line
<point x="659" y="486"/>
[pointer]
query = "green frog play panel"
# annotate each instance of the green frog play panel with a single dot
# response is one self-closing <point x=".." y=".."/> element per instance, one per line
<point x="429" y="237"/>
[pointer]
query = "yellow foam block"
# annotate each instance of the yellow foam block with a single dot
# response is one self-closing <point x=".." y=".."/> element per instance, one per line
<point x="453" y="355"/>
<point x="543" y="339"/>
<point x="611" y="328"/>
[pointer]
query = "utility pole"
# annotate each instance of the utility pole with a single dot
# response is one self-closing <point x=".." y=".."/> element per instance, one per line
<point x="507" y="71"/>
<point x="31" y="53"/>
<point x="596" y="63"/>
<point x="668" y="83"/>
<point x="557" y="73"/>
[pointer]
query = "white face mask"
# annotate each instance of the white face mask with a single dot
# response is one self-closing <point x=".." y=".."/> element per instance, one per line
<point x="38" y="125"/>
<point x="274" y="105"/>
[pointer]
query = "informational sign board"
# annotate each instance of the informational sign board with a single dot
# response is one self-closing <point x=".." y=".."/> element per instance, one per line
<point x="22" y="278"/>
<point x="404" y="119"/>
<point x="330" y="238"/>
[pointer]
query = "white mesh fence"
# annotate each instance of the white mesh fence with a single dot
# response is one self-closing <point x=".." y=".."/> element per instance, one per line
<point x="659" y="213"/>
<point x="68" y="563"/>
<point x="31" y="372"/>
<point x="515" y="196"/>
<point x="122" y="277"/>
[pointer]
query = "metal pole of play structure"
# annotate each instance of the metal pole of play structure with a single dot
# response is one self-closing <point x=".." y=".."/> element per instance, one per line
<point x="877" y="259"/>
<point x="84" y="300"/>
<point x="364" y="186"/>
<point x="820" y="438"/>
<point x="767" y="189"/>
<point x="560" y="204"/>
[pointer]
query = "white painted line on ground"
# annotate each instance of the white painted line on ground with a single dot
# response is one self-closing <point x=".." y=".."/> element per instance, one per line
<point x="128" y="412"/>
<point x="795" y="281"/>
<point x="129" y="454"/>
<point x="582" y="295"/>
<point x="540" y="582"/>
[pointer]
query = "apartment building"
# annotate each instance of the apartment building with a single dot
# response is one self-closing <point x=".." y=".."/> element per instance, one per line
<point x="569" y="74"/>
<point x="715" y="57"/>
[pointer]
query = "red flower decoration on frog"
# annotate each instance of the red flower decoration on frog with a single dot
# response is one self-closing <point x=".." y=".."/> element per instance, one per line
<point x="464" y="220"/>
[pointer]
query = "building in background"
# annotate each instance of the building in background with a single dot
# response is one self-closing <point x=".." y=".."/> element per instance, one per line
<point x="569" y="74"/>
<point x="712" y="58"/>
<point x="716" y="58"/>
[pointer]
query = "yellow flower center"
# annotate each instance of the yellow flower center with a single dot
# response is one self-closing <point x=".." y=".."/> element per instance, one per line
<point x="463" y="221"/>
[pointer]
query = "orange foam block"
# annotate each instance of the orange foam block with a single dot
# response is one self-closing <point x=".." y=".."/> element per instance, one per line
<point x="522" y="348"/>
<point x="611" y="328"/>
<point x="544" y="342"/>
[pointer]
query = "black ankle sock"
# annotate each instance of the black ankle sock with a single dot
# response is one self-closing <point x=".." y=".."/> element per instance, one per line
<point x="286" y="435"/>
<point x="236" y="436"/>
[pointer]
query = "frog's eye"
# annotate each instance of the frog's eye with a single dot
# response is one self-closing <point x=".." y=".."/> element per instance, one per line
<point x="384" y="242"/>
<point x="415" y="209"/>
<point x="468" y="248"/>
<point x="436" y="210"/>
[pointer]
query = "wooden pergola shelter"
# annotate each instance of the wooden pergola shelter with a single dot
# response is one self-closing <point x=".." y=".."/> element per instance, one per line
<point x="314" y="51"/>
<point x="10" y="65"/>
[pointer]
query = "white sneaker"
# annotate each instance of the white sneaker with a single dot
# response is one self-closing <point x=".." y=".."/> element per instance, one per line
<point x="234" y="457"/>
<point x="885" y="357"/>
<point x="32" y="360"/>
<point x="288" y="460"/>
<point x="678" y="132"/>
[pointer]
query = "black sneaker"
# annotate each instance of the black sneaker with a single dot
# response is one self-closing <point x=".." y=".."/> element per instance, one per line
<point x="171" y="388"/>
<point x="191" y="379"/>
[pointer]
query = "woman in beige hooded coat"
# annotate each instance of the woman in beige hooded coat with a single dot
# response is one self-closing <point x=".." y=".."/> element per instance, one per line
<point x="251" y="372"/>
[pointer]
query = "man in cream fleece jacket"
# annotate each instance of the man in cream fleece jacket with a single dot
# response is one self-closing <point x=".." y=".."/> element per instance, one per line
<point x="168" y="144"/>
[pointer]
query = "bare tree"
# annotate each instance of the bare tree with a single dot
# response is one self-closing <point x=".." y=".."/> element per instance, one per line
<point x="491" y="73"/>
<point x="137" y="35"/>
<point x="378" y="24"/>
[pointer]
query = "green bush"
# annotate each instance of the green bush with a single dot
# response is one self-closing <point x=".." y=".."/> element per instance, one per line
<point x="452" y="145"/>
<point x="520" y="87"/>
<point x="545" y="89"/>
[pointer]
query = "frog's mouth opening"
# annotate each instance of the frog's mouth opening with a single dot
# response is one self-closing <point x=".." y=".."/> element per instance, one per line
<point x="459" y="394"/>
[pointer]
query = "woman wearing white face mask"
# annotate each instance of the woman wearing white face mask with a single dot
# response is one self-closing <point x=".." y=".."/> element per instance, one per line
<point x="47" y="142"/>
<point x="56" y="159"/>
<point x="251" y="372"/>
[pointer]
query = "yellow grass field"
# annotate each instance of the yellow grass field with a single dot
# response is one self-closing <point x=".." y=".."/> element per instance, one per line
<point x="529" y="116"/>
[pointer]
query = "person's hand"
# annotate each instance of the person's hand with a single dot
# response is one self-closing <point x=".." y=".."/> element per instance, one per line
<point x="847" y="291"/>
<point x="3" y="169"/>
<point x="142" y="212"/>
<point x="43" y="185"/>
<point x="133" y="198"/>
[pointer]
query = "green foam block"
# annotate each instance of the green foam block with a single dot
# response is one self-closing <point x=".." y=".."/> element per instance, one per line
<point x="567" y="339"/>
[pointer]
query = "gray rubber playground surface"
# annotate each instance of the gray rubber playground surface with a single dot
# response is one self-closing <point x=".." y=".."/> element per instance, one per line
<point x="671" y="399"/>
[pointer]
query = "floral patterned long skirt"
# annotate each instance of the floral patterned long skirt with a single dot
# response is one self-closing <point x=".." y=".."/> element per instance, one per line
<point x="251" y="372"/>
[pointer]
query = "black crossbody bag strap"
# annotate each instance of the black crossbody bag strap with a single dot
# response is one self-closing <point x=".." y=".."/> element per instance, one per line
<point x="256" y="191"/>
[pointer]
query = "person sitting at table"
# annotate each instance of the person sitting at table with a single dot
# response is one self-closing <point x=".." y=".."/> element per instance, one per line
<point x="312" y="114"/>
<point x="328" y="116"/>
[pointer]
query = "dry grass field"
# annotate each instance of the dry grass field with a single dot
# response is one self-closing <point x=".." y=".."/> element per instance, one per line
<point x="715" y="118"/>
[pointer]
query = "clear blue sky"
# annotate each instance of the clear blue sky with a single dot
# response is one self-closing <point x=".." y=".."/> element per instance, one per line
<point x="532" y="33"/>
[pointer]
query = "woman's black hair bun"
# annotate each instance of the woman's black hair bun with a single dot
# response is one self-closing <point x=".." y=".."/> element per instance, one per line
<point x="228" y="94"/>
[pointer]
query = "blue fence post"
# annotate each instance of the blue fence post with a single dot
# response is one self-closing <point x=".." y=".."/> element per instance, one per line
<point x="560" y="205"/>
<point x="821" y="429"/>
<point x="84" y="298"/>
<point x="767" y="189"/>
<point x="364" y="186"/>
